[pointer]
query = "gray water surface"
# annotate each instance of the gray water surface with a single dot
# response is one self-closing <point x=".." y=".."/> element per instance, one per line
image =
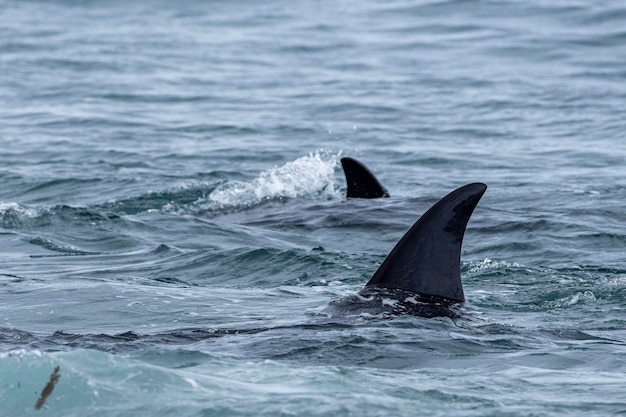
<point x="173" y="223"/>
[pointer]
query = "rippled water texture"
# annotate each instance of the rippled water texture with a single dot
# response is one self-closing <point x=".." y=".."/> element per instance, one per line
<point x="173" y="220"/>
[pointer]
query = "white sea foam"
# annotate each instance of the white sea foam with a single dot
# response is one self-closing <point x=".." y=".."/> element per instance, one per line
<point x="488" y="264"/>
<point x="15" y="208"/>
<point x="579" y="297"/>
<point x="309" y="175"/>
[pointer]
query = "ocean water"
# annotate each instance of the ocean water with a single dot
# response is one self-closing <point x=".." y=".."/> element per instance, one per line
<point x="173" y="220"/>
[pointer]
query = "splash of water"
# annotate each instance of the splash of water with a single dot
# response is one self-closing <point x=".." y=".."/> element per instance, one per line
<point x="310" y="175"/>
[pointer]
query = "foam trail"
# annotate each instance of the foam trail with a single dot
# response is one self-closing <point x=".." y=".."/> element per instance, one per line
<point x="309" y="175"/>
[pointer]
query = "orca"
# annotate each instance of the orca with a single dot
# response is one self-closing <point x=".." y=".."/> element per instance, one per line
<point x="422" y="273"/>
<point x="361" y="182"/>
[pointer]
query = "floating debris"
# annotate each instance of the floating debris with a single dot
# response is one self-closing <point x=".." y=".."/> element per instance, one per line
<point x="47" y="390"/>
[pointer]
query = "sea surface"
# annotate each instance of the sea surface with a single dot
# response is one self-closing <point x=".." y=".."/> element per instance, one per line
<point x="173" y="219"/>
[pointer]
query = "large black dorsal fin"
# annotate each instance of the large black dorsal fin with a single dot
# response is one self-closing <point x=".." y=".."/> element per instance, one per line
<point x="427" y="260"/>
<point x="361" y="182"/>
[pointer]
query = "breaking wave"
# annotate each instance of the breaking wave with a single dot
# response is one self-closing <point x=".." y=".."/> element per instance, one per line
<point x="310" y="175"/>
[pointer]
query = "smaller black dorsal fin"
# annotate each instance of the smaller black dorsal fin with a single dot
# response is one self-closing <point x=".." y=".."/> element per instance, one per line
<point x="361" y="182"/>
<point x="427" y="260"/>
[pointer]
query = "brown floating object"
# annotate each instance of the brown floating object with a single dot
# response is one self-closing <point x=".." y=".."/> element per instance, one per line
<point x="47" y="390"/>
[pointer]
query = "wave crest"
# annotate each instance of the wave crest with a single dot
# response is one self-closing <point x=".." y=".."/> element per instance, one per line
<point x="313" y="174"/>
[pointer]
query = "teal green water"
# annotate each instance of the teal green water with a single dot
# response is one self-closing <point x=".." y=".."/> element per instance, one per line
<point x="173" y="223"/>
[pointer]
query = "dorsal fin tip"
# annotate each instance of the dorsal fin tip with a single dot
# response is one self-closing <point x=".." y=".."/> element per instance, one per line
<point x="362" y="183"/>
<point x="427" y="260"/>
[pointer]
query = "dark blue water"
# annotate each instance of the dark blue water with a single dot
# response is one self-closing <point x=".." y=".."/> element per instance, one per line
<point x="173" y="223"/>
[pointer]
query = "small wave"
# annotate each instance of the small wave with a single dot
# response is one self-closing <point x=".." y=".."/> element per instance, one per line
<point x="489" y="265"/>
<point x="571" y="300"/>
<point x="57" y="247"/>
<point x="309" y="175"/>
<point x="173" y="200"/>
<point x="265" y="266"/>
<point x="12" y="215"/>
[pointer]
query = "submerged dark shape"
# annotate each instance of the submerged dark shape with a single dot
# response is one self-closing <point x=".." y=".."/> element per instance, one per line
<point x="361" y="182"/>
<point x="422" y="273"/>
